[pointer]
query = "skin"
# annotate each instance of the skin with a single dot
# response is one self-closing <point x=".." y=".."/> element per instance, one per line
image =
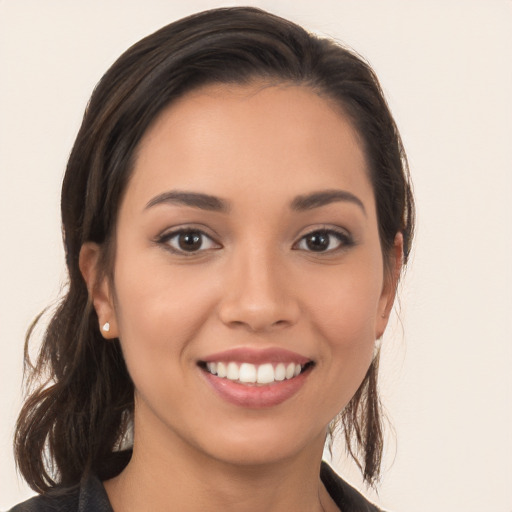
<point x="254" y="283"/>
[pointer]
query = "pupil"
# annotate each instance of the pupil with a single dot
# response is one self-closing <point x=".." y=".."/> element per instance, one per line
<point x="190" y="241"/>
<point x="318" y="242"/>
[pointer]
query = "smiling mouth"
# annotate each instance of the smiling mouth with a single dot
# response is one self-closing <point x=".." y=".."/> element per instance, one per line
<point x="255" y="374"/>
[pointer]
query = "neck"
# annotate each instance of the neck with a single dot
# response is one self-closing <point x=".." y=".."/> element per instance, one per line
<point x="177" y="477"/>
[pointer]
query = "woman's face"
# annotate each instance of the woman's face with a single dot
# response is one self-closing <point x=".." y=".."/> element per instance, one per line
<point x="247" y="244"/>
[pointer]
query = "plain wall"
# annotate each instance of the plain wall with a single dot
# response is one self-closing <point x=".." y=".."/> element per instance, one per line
<point x="446" y="69"/>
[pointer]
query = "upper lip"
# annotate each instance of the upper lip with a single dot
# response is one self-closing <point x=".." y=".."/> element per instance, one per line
<point x="257" y="356"/>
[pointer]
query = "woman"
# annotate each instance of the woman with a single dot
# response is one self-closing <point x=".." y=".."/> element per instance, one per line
<point x="236" y="213"/>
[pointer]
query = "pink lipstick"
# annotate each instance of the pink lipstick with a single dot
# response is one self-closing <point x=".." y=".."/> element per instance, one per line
<point x="256" y="378"/>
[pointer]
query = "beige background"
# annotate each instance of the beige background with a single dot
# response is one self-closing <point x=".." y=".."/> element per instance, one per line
<point x="446" y="69"/>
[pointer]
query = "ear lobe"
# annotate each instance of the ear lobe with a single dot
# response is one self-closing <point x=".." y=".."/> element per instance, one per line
<point x="98" y="287"/>
<point x="391" y="277"/>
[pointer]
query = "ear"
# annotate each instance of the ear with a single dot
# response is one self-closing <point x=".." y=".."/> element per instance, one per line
<point x="390" y="284"/>
<point x="99" y="289"/>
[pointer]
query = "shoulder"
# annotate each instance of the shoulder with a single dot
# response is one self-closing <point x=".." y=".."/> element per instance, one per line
<point x="60" y="500"/>
<point x="344" y="495"/>
<point x="88" y="496"/>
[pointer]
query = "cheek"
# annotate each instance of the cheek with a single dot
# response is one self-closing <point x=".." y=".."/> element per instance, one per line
<point x="159" y="311"/>
<point x="344" y="316"/>
<point x="345" y="306"/>
<point x="347" y="322"/>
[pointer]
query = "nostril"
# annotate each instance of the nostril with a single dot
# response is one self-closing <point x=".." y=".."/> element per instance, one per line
<point x="255" y="310"/>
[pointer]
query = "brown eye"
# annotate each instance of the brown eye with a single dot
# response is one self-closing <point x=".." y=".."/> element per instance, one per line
<point x="318" y="241"/>
<point x="188" y="241"/>
<point x="324" y="241"/>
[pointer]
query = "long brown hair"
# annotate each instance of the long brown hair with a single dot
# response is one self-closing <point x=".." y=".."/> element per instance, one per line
<point x="81" y="399"/>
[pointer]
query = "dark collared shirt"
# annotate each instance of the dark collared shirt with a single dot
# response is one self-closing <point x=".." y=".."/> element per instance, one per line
<point x="90" y="496"/>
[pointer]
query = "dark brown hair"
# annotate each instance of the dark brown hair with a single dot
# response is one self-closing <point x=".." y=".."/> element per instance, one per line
<point x="78" y="413"/>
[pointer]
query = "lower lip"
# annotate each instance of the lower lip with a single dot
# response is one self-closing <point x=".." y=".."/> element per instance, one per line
<point x="256" y="396"/>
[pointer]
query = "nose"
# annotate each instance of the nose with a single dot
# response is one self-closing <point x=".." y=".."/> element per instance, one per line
<point x="258" y="295"/>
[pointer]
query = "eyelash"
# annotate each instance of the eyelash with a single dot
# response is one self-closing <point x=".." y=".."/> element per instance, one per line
<point x="166" y="239"/>
<point x="343" y="240"/>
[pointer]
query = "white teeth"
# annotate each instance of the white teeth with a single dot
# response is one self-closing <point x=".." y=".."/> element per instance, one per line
<point x="247" y="372"/>
<point x="232" y="371"/>
<point x="250" y="373"/>
<point x="221" y="370"/>
<point x="265" y="374"/>
<point x="280" y="372"/>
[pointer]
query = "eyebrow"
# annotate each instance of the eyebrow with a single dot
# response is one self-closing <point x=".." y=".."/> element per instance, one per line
<point x="193" y="199"/>
<point x="215" y="204"/>
<point x="325" y="197"/>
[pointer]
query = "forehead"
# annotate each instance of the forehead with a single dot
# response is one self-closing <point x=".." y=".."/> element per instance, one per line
<point x="221" y="139"/>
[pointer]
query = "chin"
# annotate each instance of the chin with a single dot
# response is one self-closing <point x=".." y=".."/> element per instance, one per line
<point x="261" y="444"/>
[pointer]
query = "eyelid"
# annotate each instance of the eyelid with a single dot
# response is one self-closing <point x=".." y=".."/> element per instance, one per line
<point x="345" y="238"/>
<point x="170" y="233"/>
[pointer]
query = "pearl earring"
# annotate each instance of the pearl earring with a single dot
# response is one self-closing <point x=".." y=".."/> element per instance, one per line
<point x="106" y="327"/>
